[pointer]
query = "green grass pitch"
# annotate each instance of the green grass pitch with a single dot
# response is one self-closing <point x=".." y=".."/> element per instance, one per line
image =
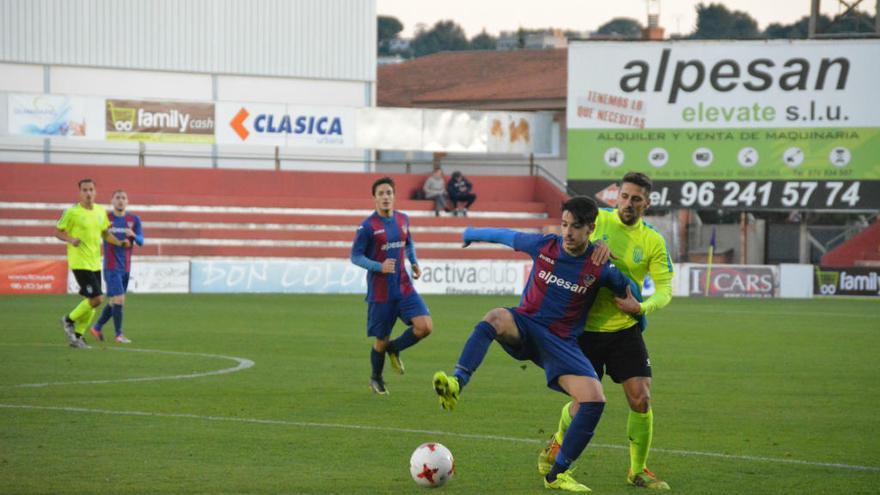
<point x="750" y="396"/>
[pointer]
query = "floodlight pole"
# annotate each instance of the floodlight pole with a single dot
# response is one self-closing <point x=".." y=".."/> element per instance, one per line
<point x="814" y="18"/>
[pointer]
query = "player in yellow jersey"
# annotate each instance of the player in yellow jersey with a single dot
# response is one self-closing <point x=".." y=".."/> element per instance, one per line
<point x="82" y="226"/>
<point x="613" y="338"/>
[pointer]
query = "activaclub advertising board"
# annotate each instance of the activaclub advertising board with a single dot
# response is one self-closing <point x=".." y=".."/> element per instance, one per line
<point x="729" y="124"/>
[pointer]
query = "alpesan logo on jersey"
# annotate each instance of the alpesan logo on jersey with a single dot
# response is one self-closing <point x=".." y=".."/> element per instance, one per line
<point x="393" y="245"/>
<point x="552" y="279"/>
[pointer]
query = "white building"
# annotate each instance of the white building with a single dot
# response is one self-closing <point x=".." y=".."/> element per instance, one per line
<point x="546" y="40"/>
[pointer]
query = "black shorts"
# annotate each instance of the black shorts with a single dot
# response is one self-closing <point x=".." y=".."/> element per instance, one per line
<point x="89" y="282"/>
<point x="621" y="354"/>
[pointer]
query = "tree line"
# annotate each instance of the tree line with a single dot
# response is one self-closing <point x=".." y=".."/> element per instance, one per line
<point x="714" y="21"/>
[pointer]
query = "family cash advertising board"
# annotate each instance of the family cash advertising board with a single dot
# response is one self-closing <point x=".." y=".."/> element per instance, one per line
<point x="728" y="124"/>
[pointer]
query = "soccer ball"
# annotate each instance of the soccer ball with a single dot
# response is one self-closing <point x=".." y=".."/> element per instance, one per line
<point x="431" y="465"/>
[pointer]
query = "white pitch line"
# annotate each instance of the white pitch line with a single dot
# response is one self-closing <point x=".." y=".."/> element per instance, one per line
<point x="243" y="364"/>
<point x="307" y="424"/>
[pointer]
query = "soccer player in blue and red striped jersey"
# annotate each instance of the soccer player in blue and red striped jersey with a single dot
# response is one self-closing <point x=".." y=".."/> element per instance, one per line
<point x="117" y="264"/>
<point x="544" y="328"/>
<point x="379" y="246"/>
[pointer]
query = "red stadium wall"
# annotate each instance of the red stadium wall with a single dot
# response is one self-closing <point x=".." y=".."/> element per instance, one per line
<point x="57" y="183"/>
<point x="864" y="247"/>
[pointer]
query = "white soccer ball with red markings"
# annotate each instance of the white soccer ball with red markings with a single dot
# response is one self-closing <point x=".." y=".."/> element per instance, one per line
<point x="431" y="465"/>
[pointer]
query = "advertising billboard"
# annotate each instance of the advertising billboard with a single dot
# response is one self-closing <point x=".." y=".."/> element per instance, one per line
<point x="332" y="276"/>
<point x="46" y="115"/>
<point x="149" y="277"/>
<point x="285" y="125"/>
<point x="851" y="281"/>
<point x="760" y="281"/>
<point x="33" y="276"/>
<point x="473" y="277"/>
<point x="729" y="124"/>
<point x="160" y="121"/>
<point x="277" y="276"/>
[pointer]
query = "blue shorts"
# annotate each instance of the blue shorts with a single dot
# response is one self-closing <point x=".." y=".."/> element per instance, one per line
<point x="117" y="282"/>
<point x="556" y="356"/>
<point x="382" y="316"/>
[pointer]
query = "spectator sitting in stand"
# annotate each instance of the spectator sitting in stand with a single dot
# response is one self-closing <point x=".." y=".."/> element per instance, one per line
<point x="459" y="189"/>
<point x="435" y="190"/>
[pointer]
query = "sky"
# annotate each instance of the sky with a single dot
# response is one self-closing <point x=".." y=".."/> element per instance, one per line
<point x="677" y="16"/>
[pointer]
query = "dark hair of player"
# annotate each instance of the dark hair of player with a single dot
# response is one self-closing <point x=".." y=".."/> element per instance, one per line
<point x="383" y="180"/>
<point x="638" y="179"/>
<point x="84" y="181"/>
<point x="582" y="208"/>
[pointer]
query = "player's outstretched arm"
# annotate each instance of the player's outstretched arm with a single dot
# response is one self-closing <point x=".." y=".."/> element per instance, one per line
<point x="496" y="236"/>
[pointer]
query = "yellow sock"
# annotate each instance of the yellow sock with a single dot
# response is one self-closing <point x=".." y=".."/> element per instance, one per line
<point x="82" y="324"/>
<point x="640" y="430"/>
<point x="564" y="423"/>
<point x="80" y="310"/>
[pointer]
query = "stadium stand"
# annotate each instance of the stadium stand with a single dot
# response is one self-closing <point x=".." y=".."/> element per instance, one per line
<point x="243" y="213"/>
<point x="862" y="250"/>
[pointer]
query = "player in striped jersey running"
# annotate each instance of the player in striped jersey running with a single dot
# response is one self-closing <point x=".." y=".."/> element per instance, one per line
<point x="380" y="244"/>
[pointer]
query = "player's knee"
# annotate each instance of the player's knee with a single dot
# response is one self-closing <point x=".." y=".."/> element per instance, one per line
<point x="641" y="402"/>
<point x="423" y="328"/>
<point x="497" y="318"/>
<point x="96" y="301"/>
<point x="380" y="345"/>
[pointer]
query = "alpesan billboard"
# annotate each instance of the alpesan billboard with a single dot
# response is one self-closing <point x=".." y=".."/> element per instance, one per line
<point x="737" y="124"/>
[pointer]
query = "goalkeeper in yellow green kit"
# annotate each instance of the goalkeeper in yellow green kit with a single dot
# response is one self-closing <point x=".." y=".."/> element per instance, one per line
<point x="613" y="338"/>
<point x="81" y="227"/>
